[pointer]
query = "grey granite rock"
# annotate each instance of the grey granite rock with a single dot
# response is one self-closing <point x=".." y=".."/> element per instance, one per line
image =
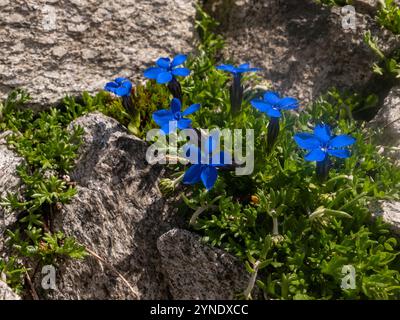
<point x="53" y="48"/>
<point x="390" y="213"/>
<point x="6" y="293"/>
<point x="118" y="214"/>
<point x="9" y="182"/>
<point x="197" y="271"/>
<point x="388" y="121"/>
<point x="301" y="46"/>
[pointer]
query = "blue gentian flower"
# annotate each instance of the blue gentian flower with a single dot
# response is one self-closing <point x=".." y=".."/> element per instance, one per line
<point x="163" y="117"/>
<point x="322" y="144"/>
<point x="236" y="90"/>
<point x="204" y="167"/>
<point x="166" y="70"/>
<point x="237" y="70"/>
<point x="272" y="105"/>
<point x="121" y="87"/>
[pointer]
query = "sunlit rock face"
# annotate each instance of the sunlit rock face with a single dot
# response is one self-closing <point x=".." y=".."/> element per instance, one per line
<point x="304" y="48"/>
<point x="9" y="183"/>
<point x="196" y="271"/>
<point x="388" y="121"/>
<point x="118" y="213"/>
<point x="6" y="293"/>
<point x="53" y="48"/>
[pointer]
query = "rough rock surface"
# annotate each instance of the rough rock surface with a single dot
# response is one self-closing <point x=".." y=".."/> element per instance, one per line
<point x="6" y="293"/>
<point x="197" y="271"/>
<point x="301" y="46"/>
<point x="390" y="213"/>
<point x="55" y="47"/>
<point x="118" y="213"/>
<point x="9" y="182"/>
<point x="388" y="119"/>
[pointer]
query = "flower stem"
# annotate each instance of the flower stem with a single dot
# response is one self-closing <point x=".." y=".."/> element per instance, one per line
<point x="175" y="88"/>
<point x="128" y="104"/>
<point x="199" y="211"/>
<point x="273" y="132"/>
<point x="252" y="281"/>
<point x="236" y="94"/>
<point x="275" y="229"/>
<point x="323" y="169"/>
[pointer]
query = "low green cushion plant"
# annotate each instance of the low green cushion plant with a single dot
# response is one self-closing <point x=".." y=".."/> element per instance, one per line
<point x="292" y="230"/>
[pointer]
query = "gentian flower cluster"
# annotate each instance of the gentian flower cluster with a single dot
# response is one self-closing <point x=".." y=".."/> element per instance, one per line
<point x="236" y="90"/>
<point x="273" y="105"/>
<point x="121" y="87"/>
<point x="321" y="144"/>
<point x="166" y="71"/>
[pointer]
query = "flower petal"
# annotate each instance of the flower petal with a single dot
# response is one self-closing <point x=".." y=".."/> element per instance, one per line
<point x="266" y="108"/>
<point x="274" y="113"/>
<point x="178" y="60"/>
<point x="260" y="105"/>
<point x="341" y="141"/>
<point x="163" y="62"/>
<point x="191" y="109"/>
<point x="184" y="123"/>
<point x="162" y="116"/>
<point x="153" y="72"/>
<point x="164" y="77"/>
<point x="181" y="72"/>
<point x="128" y="85"/>
<point x="315" y="155"/>
<point x="193" y="174"/>
<point x="243" y="70"/>
<point x="271" y="97"/>
<point x="168" y="127"/>
<point x="111" y="86"/>
<point x="288" y="103"/>
<point x="121" y="80"/>
<point x="244" y="66"/>
<point x="226" y="67"/>
<point x="175" y="105"/>
<point x="339" y="153"/>
<point x="208" y="176"/>
<point x="323" y="132"/>
<point x="123" y="91"/>
<point x="307" y="141"/>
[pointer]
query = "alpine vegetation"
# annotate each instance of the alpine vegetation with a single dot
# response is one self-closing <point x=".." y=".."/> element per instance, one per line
<point x="291" y="198"/>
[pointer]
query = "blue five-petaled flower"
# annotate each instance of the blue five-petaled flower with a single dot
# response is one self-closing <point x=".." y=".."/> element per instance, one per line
<point x="122" y="87"/>
<point x="236" y="89"/>
<point x="245" y="67"/>
<point x="272" y="104"/>
<point x="166" y="118"/>
<point x="321" y="144"/>
<point x="204" y="167"/>
<point x="166" y="70"/>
